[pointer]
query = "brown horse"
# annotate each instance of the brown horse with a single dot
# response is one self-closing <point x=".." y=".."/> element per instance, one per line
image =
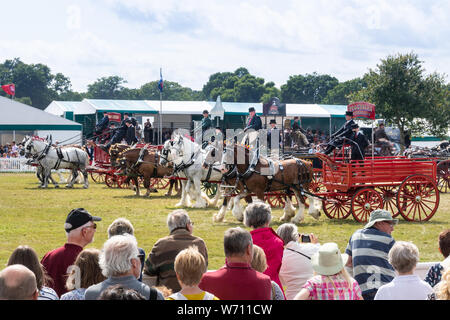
<point x="258" y="175"/>
<point x="143" y="162"/>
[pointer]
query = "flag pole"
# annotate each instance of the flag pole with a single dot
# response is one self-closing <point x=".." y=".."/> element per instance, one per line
<point x="160" y="118"/>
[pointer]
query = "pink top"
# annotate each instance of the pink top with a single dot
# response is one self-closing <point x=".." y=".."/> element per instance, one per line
<point x="321" y="288"/>
<point x="273" y="247"/>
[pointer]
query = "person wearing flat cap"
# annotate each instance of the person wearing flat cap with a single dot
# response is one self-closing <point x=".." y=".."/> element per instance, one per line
<point x="368" y="250"/>
<point x="332" y="281"/>
<point x="80" y="228"/>
<point x="345" y="132"/>
<point x="254" y="121"/>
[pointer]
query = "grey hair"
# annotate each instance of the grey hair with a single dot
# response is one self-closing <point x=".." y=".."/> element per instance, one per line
<point x="236" y="241"/>
<point x="77" y="231"/>
<point x="115" y="258"/>
<point x="120" y="226"/>
<point x="403" y="256"/>
<point x="178" y="219"/>
<point x="288" y="232"/>
<point x="257" y="215"/>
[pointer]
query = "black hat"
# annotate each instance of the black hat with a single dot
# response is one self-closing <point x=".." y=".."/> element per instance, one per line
<point x="272" y="121"/>
<point x="251" y="109"/>
<point x="78" y="217"/>
<point x="128" y="120"/>
<point x="354" y="126"/>
<point x="349" y="113"/>
<point x="205" y="111"/>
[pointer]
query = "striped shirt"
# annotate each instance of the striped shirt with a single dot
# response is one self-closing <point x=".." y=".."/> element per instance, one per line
<point x="369" y="250"/>
<point x="332" y="288"/>
<point x="47" y="293"/>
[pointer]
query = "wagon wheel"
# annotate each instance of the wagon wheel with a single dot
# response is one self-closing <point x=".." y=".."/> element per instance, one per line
<point x="389" y="195"/>
<point x="275" y="200"/>
<point x="443" y="176"/>
<point x="111" y="180"/>
<point x="364" y="202"/>
<point x="417" y="198"/>
<point x="210" y="189"/>
<point x="160" y="183"/>
<point x="339" y="207"/>
<point x="317" y="185"/>
<point x="97" y="177"/>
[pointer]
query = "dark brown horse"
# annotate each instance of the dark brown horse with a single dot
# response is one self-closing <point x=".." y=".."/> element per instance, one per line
<point x="258" y="175"/>
<point x="142" y="162"/>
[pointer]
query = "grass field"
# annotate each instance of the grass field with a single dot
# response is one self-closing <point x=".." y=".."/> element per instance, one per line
<point x="35" y="217"/>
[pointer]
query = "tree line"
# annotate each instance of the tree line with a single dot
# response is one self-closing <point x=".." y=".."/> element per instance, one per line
<point x="398" y="86"/>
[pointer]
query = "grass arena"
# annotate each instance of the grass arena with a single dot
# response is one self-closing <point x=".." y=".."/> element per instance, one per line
<point x="35" y="217"/>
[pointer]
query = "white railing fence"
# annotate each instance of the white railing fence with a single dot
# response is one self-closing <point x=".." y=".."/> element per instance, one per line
<point x="15" y="165"/>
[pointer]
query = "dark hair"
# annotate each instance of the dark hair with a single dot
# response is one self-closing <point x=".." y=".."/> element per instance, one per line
<point x="118" y="292"/>
<point x="26" y="256"/>
<point x="444" y="242"/>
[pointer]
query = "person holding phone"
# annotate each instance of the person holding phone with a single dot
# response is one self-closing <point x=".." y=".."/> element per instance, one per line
<point x="296" y="267"/>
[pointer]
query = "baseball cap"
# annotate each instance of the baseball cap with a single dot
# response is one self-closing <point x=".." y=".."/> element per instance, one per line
<point x="78" y="217"/>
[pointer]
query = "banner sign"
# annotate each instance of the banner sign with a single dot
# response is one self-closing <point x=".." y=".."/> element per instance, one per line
<point x="113" y="116"/>
<point x="362" y="110"/>
<point x="274" y="108"/>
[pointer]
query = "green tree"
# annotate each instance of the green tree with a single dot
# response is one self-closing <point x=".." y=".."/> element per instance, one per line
<point x="172" y="91"/>
<point x="107" y="88"/>
<point x="406" y="97"/>
<point x="270" y="91"/>
<point x="309" y="88"/>
<point x="340" y="93"/>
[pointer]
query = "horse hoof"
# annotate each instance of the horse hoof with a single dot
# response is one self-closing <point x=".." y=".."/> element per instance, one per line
<point x="56" y="187"/>
<point x="69" y="187"/>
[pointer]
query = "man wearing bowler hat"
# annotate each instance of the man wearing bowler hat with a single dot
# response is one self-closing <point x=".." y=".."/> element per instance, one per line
<point x="360" y="143"/>
<point x="343" y="134"/>
<point x="254" y="121"/>
<point x="368" y="250"/>
<point x="80" y="228"/>
<point x="273" y="129"/>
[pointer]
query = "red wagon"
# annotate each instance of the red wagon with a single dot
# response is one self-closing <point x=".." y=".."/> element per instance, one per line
<point x="400" y="185"/>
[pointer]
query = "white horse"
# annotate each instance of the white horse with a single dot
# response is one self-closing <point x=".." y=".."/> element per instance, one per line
<point x="188" y="158"/>
<point x="50" y="158"/>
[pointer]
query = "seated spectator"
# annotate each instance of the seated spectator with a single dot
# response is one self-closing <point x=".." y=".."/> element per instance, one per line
<point x="190" y="265"/>
<point x="442" y="289"/>
<point x="404" y="257"/>
<point x="84" y="273"/>
<point x="237" y="280"/>
<point x="28" y="257"/>
<point x="332" y="281"/>
<point x="259" y="263"/>
<point x="17" y="282"/>
<point x="119" y="292"/>
<point x="296" y="266"/>
<point x="435" y="272"/>
<point x="258" y="216"/>
<point x="122" y="226"/>
<point x="121" y="265"/>
<point x="80" y="229"/>
<point x="160" y="261"/>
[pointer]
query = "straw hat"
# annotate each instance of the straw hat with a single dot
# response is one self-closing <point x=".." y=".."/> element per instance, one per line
<point x="328" y="260"/>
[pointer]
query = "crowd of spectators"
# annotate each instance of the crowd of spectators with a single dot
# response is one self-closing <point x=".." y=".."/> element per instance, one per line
<point x="261" y="264"/>
<point x="10" y="150"/>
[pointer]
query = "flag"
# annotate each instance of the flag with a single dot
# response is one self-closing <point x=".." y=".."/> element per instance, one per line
<point x="160" y="82"/>
<point x="9" y="89"/>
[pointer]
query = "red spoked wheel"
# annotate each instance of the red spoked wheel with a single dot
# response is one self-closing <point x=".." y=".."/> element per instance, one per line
<point x="160" y="183"/>
<point x="275" y="200"/>
<point x="111" y="180"/>
<point x="443" y="176"/>
<point x="389" y="195"/>
<point x="418" y="198"/>
<point x="317" y="185"/>
<point x="338" y="207"/>
<point x="364" y="201"/>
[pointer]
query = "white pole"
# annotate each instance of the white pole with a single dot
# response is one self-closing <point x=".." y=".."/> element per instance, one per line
<point x="160" y="118"/>
<point x="372" y="141"/>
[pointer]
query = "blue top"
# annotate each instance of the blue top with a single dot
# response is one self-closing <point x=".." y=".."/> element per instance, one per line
<point x="369" y="250"/>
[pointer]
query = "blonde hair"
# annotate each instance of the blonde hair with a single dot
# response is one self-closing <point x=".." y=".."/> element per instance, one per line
<point x="341" y="275"/>
<point x="443" y="287"/>
<point x="259" y="261"/>
<point x="190" y="265"/>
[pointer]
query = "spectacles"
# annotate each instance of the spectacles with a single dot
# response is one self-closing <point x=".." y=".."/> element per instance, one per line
<point x="390" y="223"/>
<point x="94" y="226"/>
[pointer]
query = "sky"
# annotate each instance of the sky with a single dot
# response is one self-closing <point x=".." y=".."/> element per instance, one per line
<point x="193" y="39"/>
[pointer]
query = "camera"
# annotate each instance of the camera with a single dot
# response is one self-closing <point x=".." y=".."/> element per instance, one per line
<point x="306" y="238"/>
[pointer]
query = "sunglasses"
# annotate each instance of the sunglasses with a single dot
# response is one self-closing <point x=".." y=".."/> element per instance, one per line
<point x="94" y="226"/>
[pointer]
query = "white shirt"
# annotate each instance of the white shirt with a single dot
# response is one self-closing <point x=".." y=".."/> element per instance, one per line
<point x="409" y="287"/>
<point x="295" y="268"/>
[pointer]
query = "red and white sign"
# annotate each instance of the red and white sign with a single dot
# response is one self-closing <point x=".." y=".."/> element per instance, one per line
<point x="113" y="116"/>
<point x="9" y="89"/>
<point x="362" y="110"/>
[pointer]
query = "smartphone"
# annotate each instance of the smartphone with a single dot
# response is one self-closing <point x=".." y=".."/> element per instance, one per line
<point x="306" y="238"/>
